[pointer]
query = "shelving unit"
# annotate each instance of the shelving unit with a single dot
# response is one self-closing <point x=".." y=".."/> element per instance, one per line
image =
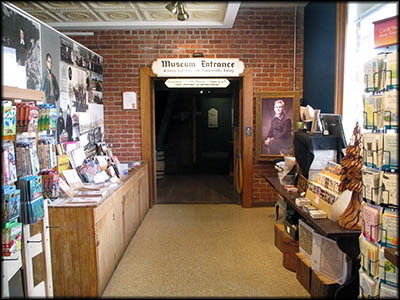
<point x="377" y="123"/>
<point x="35" y="237"/>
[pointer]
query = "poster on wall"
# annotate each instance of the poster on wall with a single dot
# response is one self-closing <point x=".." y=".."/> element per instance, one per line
<point x="50" y="66"/>
<point x="96" y="88"/>
<point x="35" y="56"/>
<point x="20" y="41"/>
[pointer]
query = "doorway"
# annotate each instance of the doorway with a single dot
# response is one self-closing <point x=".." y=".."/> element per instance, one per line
<point x="194" y="134"/>
<point x="244" y="132"/>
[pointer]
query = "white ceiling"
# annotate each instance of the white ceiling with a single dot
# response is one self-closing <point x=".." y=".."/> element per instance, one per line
<point x="130" y="15"/>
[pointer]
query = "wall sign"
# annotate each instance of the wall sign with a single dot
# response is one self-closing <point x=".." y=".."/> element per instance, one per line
<point x="129" y="100"/>
<point x="197" y="67"/>
<point x="197" y="82"/>
<point x="385" y="32"/>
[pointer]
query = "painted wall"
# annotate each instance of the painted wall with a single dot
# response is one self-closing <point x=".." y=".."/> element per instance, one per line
<point x="262" y="38"/>
<point x="319" y="55"/>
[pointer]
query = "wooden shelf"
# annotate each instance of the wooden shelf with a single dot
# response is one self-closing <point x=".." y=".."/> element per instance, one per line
<point x="9" y="92"/>
<point x="325" y="227"/>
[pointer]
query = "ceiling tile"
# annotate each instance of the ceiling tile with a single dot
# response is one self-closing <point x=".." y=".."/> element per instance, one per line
<point x="62" y="5"/>
<point x="79" y="16"/>
<point x="152" y="4"/>
<point x="122" y="16"/>
<point x="95" y="15"/>
<point x="110" y="5"/>
<point x="43" y="16"/>
<point x="158" y="15"/>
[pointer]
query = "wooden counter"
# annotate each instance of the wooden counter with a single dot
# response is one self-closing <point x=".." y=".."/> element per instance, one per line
<point x="88" y="240"/>
<point x="347" y="240"/>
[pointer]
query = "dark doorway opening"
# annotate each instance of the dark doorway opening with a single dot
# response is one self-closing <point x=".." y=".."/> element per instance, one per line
<point x="194" y="130"/>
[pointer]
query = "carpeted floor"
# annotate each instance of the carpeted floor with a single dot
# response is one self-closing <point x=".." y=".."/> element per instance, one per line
<point x="204" y="250"/>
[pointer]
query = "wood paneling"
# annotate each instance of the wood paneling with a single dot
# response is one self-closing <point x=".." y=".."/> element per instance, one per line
<point x="147" y="130"/>
<point x="303" y="271"/>
<point x="87" y="241"/>
<point x="322" y="286"/>
<point x="341" y="18"/>
<point x="130" y="204"/>
<point x="143" y="196"/>
<point x="247" y="141"/>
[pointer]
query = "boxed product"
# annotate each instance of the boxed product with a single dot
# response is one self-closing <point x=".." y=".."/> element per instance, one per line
<point x="11" y="202"/>
<point x="36" y="210"/>
<point x="291" y="227"/>
<point x="302" y="201"/>
<point x="318" y="214"/>
<point x="9" y="119"/>
<point x="11" y="237"/>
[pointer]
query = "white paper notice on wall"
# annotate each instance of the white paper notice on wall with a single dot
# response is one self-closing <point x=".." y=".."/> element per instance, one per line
<point x="129" y="100"/>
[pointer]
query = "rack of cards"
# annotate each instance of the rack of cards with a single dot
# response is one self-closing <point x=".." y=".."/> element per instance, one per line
<point x="379" y="210"/>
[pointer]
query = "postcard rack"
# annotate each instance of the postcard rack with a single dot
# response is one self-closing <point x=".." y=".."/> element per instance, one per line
<point x="35" y="237"/>
<point x="387" y="114"/>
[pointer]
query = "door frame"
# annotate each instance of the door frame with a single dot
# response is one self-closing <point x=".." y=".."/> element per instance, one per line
<point x="246" y="100"/>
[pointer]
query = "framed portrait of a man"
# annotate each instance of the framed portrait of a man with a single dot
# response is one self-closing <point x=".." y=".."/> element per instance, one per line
<point x="276" y="116"/>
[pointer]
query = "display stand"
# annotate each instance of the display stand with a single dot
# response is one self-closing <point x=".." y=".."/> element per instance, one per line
<point x="31" y="245"/>
<point x="378" y="120"/>
<point x="9" y="266"/>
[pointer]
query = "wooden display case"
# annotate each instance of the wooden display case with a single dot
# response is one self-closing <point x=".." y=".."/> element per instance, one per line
<point x="88" y="240"/>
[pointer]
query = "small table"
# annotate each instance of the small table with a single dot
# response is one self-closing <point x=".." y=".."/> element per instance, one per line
<point x="347" y="240"/>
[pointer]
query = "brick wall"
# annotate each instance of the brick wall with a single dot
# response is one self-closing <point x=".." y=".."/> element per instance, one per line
<point x="262" y="38"/>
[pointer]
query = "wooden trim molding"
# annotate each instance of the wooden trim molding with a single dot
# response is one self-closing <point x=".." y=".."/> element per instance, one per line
<point x="247" y="139"/>
<point x="247" y="136"/>
<point x="341" y="19"/>
<point x="146" y="115"/>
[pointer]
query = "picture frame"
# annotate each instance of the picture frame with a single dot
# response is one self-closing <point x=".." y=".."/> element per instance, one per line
<point x="282" y="144"/>
<point x="333" y="124"/>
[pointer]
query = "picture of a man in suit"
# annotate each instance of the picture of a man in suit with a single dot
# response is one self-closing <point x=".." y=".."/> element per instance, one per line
<point x="49" y="83"/>
<point x="21" y="48"/>
<point x="279" y="137"/>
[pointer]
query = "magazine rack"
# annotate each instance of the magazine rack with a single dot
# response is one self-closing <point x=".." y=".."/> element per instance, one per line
<point x="39" y="241"/>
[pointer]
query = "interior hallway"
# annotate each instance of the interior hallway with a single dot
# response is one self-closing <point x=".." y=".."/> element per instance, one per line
<point x="204" y="250"/>
<point x="197" y="188"/>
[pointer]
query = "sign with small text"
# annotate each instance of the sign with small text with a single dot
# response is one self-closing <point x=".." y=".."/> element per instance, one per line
<point x="197" y="82"/>
<point x="197" y="67"/>
<point x="385" y="32"/>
